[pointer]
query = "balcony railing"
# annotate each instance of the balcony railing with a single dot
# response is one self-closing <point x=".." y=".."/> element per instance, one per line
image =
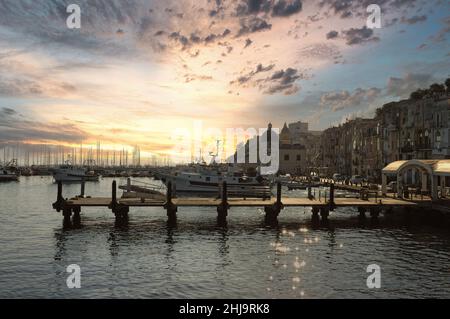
<point x="407" y="149"/>
<point x="423" y="147"/>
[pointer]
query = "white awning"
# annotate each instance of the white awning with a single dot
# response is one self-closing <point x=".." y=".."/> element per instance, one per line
<point x="442" y="168"/>
<point x="393" y="167"/>
<point x="437" y="167"/>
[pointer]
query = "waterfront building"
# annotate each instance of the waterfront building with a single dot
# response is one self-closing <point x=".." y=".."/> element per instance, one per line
<point x="309" y="139"/>
<point x="292" y="153"/>
<point x="404" y="130"/>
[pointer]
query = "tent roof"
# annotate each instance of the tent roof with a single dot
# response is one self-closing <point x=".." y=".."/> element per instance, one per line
<point x="442" y="167"/>
<point x="439" y="167"/>
<point x="393" y="167"/>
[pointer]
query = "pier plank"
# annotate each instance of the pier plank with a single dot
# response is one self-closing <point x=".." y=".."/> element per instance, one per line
<point x="236" y="202"/>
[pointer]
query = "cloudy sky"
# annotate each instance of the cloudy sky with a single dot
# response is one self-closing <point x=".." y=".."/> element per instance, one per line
<point x="137" y="70"/>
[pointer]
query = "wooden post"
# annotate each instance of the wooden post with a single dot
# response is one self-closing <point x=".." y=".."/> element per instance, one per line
<point x="279" y="195"/>
<point x="362" y="212"/>
<point x="59" y="197"/>
<point x="120" y="211"/>
<point x="58" y="205"/>
<point x="222" y="209"/>
<point x="374" y="212"/>
<point x="274" y="210"/>
<point x="67" y="213"/>
<point x="76" y="215"/>
<point x="332" y="204"/>
<point x="324" y="213"/>
<point x="315" y="214"/>
<point x="278" y="204"/>
<point x="83" y="182"/>
<point x="114" y="196"/>
<point x="169" y="206"/>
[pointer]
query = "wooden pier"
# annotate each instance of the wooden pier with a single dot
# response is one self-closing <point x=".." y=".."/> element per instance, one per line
<point x="322" y="204"/>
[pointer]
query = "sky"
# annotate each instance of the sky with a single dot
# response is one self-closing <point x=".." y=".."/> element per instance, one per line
<point x="136" y="71"/>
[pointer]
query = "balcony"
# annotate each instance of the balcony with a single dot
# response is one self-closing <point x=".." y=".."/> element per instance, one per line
<point x="423" y="147"/>
<point x="407" y="149"/>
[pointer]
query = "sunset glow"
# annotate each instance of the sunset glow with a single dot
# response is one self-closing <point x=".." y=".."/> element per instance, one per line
<point x="137" y="71"/>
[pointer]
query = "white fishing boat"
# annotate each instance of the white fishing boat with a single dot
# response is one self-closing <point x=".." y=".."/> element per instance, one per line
<point x="209" y="179"/>
<point x="7" y="175"/>
<point x="70" y="173"/>
<point x="9" y="172"/>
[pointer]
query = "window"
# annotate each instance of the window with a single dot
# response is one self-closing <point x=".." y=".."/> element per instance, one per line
<point x="286" y="157"/>
<point x="299" y="158"/>
<point x="438" y="137"/>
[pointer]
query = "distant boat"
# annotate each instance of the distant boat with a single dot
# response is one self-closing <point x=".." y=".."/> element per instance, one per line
<point x="293" y="185"/>
<point x="9" y="173"/>
<point x="69" y="173"/>
<point x="284" y="178"/>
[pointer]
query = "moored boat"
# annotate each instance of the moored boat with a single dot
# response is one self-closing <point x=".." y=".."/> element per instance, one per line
<point x="143" y="190"/>
<point x="9" y="173"/>
<point x="68" y="173"/>
<point x="205" y="179"/>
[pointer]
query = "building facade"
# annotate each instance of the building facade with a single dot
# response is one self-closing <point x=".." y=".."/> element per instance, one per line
<point x="292" y="153"/>
<point x="405" y="130"/>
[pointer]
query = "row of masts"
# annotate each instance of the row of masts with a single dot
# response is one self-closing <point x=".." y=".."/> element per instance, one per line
<point x="83" y="155"/>
<point x="88" y="155"/>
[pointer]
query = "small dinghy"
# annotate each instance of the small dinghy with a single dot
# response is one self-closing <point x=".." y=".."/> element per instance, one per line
<point x="144" y="190"/>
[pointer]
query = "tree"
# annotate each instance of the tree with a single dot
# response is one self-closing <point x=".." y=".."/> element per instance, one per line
<point x="437" y="88"/>
<point x="418" y="94"/>
<point x="447" y="83"/>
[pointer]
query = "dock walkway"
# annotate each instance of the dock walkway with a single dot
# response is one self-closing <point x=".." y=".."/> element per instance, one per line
<point x="272" y="207"/>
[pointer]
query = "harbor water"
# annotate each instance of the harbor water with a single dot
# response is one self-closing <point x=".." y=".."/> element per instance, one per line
<point x="147" y="258"/>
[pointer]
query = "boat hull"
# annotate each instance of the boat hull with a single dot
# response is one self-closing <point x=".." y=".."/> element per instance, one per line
<point x="74" y="178"/>
<point x="9" y="178"/>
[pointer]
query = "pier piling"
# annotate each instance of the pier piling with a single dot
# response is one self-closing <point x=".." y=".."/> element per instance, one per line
<point x="324" y="213"/>
<point x="315" y="214"/>
<point x="76" y="215"/>
<point x="58" y="205"/>
<point x="331" y="202"/>
<point x="83" y="183"/>
<point x="170" y="207"/>
<point x="274" y="210"/>
<point x="120" y="211"/>
<point x="67" y="213"/>
<point x="375" y="212"/>
<point x="362" y="212"/>
<point x="222" y="209"/>
<point x="114" y="196"/>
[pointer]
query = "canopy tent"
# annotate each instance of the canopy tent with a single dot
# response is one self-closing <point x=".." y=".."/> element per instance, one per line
<point x="432" y="169"/>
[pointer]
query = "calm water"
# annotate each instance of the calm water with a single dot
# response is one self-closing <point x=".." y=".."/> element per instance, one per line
<point x="197" y="259"/>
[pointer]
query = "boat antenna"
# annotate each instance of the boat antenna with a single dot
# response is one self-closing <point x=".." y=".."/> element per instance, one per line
<point x="214" y="156"/>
